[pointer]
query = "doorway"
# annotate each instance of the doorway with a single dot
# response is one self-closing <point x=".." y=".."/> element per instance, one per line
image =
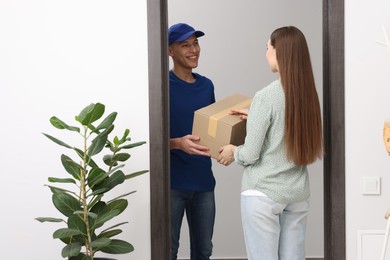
<point x="333" y="114"/>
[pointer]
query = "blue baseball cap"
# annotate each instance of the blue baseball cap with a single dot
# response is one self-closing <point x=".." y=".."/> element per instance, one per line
<point x="181" y="31"/>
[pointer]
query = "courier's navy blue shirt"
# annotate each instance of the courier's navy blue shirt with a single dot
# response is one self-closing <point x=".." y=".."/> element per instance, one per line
<point x="189" y="172"/>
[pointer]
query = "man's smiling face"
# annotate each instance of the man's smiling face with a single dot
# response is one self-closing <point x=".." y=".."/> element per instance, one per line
<point x="185" y="54"/>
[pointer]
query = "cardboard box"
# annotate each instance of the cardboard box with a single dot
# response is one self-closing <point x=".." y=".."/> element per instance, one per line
<point x="217" y="128"/>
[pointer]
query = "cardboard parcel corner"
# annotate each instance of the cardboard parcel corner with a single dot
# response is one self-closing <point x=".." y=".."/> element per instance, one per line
<point x="216" y="127"/>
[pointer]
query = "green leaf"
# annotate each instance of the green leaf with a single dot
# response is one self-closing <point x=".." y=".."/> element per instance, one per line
<point x="96" y="176"/>
<point x="125" y="135"/>
<point x="118" y="247"/>
<point x="61" y="180"/>
<point x="58" y="190"/>
<point x="72" y="249"/>
<point x="98" y="209"/>
<point x="57" y="123"/>
<point x="66" y="232"/>
<point x="135" y="174"/>
<point x="120" y="205"/>
<point x="121" y="157"/>
<point x="116" y="225"/>
<point x="81" y="212"/>
<point x="57" y="141"/>
<point x="115" y="179"/>
<point x="65" y="203"/>
<point x="101" y="242"/>
<point x="116" y="140"/>
<point x="110" y="233"/>
<point x="48" y="219"/>
<point x="90" y="114"/>
<point x="108" y="121"/>
<point x="95" y="200"/>
<point x="97" y="145"/>
<point x="121" y="196"/>
<point x="107" y="212"/>
<point x="129" y="146"/>
<point x="103" y="218"/>
<point x="111" y="146"/>
<point x="71" y="166"/>
<point x="77" y="222"/>
<point x="114" y="169"/>
<point x="107" y="159"/>
<point x="99" y="191"/>
<point x="104" y="213"/>
<point x="99" y="141"/>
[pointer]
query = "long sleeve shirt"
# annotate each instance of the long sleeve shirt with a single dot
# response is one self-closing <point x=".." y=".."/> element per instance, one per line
<point x="263" y="154"/>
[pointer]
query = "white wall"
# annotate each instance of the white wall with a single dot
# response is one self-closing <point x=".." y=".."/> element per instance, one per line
<point x="233" y="56"/>
<point x="56" y="57"/>
<point x="367" y="105"/>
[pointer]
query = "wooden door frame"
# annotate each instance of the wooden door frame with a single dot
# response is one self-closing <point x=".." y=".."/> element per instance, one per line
<point x="334" y="128"/>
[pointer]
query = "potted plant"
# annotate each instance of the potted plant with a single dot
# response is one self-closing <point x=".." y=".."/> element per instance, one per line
<point x="81" y="202"/>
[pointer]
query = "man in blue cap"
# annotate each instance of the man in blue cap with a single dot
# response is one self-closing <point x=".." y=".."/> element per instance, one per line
<point x="192" y="180"/>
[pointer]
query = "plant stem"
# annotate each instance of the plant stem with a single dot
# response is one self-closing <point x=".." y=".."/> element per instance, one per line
<point x="83" y="173"/>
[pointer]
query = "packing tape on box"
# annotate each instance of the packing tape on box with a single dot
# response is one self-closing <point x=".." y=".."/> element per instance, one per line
<point x="213" y="120"/>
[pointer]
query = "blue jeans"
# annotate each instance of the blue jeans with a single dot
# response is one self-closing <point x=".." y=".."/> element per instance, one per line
<point x="274" y="231"/>
<point x="200" y="212"/>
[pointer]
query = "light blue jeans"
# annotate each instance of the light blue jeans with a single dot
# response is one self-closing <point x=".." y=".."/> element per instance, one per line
<point x="273" y="231"/>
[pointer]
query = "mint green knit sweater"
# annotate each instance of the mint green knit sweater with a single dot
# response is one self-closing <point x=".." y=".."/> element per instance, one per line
<point x="263" y="154"/>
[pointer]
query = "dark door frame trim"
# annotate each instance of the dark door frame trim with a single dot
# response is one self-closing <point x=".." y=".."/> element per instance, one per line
<point x="334" y="130"/>
<point x="333" y="115"/>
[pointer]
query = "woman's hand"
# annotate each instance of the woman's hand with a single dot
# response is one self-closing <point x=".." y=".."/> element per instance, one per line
<point x="242" y="113"/>
<point x="226" y="154"/>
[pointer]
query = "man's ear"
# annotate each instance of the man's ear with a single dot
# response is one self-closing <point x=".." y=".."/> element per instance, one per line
<point x="170" y="51"/>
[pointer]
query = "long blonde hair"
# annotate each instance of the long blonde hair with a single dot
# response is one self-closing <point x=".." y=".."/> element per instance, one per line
<point x="303" y="127"/>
